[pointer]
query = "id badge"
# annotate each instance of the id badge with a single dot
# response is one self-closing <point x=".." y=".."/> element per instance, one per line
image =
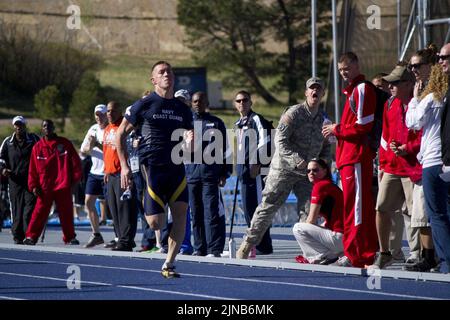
<point x="134" y="163"/>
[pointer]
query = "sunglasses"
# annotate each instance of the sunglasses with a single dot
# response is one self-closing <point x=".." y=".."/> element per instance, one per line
<point x="444" y="57"/>
<point x="241" y="100"/>
<point x="312" y="170"/>
<point x="415" y="66"/>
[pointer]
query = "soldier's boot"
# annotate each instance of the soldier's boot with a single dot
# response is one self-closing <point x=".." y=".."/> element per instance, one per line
<point x="244" y="250"/>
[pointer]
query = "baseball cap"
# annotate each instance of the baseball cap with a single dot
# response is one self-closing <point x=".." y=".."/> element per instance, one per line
<point x="19" y="119"/>
<point x="183" y="94"/>
<point x="314" y="80"/>
<point x="100" y="108"/>
<point x="400" y="73"/>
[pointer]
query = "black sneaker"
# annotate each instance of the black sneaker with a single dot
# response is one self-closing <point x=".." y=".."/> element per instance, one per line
<point x="94" y="241"/>
<point x="18" y="241"/>
<point x="122" y="247"/>
<point x="263" y="253"/>
<point x="29" y="242"/>
<point x="328" y="261"/>
<point x="423" y="265"/>
<point x="169" y="272"/>
<point x="73" y="242"/>
<point x="214" y="255"/>
<point x="103" y="223"/>
<point x="110" y="244"/>
<point x="382" y="261"/>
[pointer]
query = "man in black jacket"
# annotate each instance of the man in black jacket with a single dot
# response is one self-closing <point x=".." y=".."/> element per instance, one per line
<point x="444" y="61"/>
<point x="15" y="153"/>
<point x="253" y="157"/>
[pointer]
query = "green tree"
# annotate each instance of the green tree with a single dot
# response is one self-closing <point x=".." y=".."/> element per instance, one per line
<point x="232" y="36"/>
<point x="87" y="95"/>
<point x="47" y="103"/>
<point x="291" y="22"/>
<point x="228" y="37"/>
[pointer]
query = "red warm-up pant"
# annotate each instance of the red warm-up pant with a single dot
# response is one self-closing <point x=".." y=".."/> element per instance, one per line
<point x="64" y="206"/>
<point x="360" y="233"/>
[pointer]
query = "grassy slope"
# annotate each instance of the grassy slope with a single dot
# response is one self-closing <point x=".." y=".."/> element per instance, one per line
<point x="124" y="79"/>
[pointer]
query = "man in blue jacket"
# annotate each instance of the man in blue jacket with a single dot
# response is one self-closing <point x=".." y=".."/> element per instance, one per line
<point x="206" y="172"/>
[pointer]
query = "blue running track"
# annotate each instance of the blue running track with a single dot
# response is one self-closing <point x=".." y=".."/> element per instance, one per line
<point x="44" y="275"/>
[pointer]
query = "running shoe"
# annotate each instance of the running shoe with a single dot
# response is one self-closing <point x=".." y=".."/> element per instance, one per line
<point x="382" y="261"/>
<point x="301" y="259"/>
<point x="343" y="261"/>
<point x="169" y="272"/>
<point x="94" y="240"/>
<point x="29" y="242"/>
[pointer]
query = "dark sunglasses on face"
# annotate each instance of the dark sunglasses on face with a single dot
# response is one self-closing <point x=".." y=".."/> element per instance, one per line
<point x="244" y="100"/>
<point x="443" y="57"/>
<point x="415" y="66"/>
<point x="312" y="170"/>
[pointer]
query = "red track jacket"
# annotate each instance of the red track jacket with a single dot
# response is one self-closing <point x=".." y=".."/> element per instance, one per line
<point x="54" y="165"/>
<point x="352" y="132"/>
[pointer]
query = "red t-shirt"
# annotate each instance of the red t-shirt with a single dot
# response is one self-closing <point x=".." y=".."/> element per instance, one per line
<point x="330" y="197"/>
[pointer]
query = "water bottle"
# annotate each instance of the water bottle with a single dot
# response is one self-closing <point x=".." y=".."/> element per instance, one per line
<point x="232" y="248"/>
<point x="331" y="139"/>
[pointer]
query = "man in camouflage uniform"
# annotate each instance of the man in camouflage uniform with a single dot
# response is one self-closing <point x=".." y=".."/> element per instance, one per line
<point x="298" y="140"/>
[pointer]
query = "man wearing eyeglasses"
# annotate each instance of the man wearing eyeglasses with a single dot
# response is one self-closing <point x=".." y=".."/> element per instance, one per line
<point x="298" y="140"/>
<point x="254" y="148"/>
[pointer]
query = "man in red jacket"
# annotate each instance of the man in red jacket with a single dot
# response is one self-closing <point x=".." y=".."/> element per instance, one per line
<point x="54" y="168"/>
<point x="354" y="159"/>
<point x="399" y="168"/>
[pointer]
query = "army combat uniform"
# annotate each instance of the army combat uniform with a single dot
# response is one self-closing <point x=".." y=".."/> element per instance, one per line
<point x="298" y="138"/>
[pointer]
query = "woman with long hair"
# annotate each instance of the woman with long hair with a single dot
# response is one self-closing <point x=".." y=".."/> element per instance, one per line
<point x="321" y="242"/>
<point x="424" y="112"/>
<point x="421" y="63"/>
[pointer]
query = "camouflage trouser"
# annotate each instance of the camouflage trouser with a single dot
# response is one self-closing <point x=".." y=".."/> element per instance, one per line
<point x="279" y="184"/>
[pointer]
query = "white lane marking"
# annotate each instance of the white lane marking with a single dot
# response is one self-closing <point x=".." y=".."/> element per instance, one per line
<point x="119" y="286"/>
<point x="10" y="298"/>
<point x="236" y="279"/>
<point x="51" y="278"/>
<point x="179" y="293"/>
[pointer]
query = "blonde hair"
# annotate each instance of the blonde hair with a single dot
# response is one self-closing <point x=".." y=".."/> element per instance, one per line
<point x="437" y="84"/>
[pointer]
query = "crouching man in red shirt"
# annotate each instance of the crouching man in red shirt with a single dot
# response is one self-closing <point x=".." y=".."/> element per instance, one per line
<point x="54" y="168"/>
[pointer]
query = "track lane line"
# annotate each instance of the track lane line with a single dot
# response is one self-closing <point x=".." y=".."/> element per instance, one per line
<point x="239" y="279"/>
<point x="10" y="298"/>
<point x="118" y="286"/>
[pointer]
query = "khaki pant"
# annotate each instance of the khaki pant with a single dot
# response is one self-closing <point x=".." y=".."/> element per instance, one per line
<point x="393" y="192"/>
<point x="279" y="184"/>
